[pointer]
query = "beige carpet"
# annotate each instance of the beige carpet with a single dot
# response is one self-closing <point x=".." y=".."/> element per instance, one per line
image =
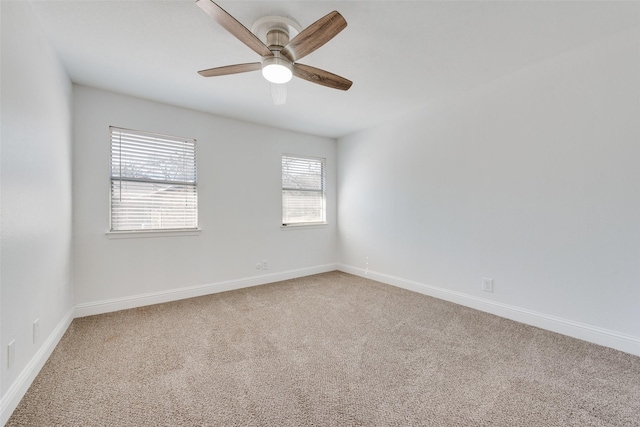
<point x="326" y="350"/>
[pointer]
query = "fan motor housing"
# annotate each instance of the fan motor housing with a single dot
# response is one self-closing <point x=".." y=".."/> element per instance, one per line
<point x="277" y="39"/>
<point x="275" y="31"/>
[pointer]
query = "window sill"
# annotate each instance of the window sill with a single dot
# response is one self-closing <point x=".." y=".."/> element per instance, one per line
<point x="151" y="233"/>
<point x="303" y="226"/>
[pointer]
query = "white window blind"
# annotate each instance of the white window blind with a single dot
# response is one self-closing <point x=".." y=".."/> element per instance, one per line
<point x="303" y="190"/>
<point x="153" y="181"/>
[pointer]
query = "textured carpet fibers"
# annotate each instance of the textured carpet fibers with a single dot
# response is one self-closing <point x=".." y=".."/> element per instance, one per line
<point x="325" y="350"/>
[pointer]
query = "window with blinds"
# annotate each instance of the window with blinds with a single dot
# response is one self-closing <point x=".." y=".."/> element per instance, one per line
<point x="153" y="181"/>
<point x="303" y="190"/>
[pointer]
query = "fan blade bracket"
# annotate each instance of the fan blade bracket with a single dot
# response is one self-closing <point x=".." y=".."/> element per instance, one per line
<point x="284" y="52"/>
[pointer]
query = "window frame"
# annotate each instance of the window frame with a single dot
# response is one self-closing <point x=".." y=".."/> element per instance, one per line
<point x="152" y="232"/>
<point x="308" y="224"/>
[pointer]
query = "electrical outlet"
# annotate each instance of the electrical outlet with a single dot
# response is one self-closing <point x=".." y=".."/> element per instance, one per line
<point x="487" y="284"/>
<point x="259" y="266"/>
<point x="36" y="330"/>
<point x="11" y="353"/>
<point x="265" y="264"/>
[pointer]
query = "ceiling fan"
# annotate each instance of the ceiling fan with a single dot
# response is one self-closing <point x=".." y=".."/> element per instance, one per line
<point x="279" y="54"/>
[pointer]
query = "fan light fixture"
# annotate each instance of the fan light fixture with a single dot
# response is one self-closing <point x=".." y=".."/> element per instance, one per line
<point x="276" y="69"/>
<point x="281" y="43"/>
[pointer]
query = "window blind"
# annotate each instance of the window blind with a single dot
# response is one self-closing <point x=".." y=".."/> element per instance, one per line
<point x="303" y="190"/>
<point x="153" y="181"/>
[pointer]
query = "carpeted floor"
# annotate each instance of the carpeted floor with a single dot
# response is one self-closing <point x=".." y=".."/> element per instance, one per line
<point x="326" y="350"/>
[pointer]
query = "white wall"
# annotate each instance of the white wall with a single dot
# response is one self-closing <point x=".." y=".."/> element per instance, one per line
<point x="36" y="253"/>
<point x="532" y="180"/>
<point x="239" y="188"/>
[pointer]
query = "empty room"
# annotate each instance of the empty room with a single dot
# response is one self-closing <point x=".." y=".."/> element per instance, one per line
<point x="319" y="213"/>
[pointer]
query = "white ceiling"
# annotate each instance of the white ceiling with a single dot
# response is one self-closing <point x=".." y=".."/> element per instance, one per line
<point x="401" y="55"/>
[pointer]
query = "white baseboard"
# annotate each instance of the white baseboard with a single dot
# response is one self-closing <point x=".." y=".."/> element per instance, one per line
<point x="14" y="394"/>
<point x="585" y="332"/>
<point x="601" y="336"/>
<point x="115" y="304"/>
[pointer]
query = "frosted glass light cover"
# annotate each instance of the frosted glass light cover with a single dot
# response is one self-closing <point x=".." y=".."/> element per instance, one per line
<point x="276" y="70"/>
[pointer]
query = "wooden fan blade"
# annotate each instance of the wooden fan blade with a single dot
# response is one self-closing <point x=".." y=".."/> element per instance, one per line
<point x="231" y="69"/>
<point x="314" y="36"/>
<point x="321" y="77"/>
<point x="230" y="24"/>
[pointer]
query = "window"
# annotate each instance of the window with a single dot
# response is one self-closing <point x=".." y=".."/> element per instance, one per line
<point x="303" y="190"/>
<point x="153" y="182"/>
